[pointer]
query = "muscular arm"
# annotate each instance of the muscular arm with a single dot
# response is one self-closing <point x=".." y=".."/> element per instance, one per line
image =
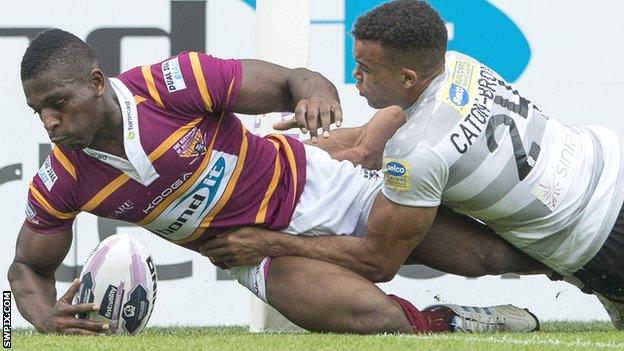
<point x="32" y="272"/>
<point x="267" y="87"/>
<point x="31" y="276"/>
<point x="392" y="232"/>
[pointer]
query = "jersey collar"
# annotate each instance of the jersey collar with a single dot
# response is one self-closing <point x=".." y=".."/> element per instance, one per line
<point x="428" y="93"/>
<point x="139" y="166"/>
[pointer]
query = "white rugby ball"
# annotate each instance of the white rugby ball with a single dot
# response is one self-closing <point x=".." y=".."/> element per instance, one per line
<point x="120" y="276"/>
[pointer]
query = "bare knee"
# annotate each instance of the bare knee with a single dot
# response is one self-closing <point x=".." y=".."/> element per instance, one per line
<point x="381" y="316"/>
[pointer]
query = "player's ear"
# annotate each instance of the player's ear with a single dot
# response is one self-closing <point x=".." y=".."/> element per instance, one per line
<point x="410" y="78"/>
<point x="97" y="81"/>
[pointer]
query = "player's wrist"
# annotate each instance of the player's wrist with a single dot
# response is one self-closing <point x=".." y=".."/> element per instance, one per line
<point x="277" y="245"/>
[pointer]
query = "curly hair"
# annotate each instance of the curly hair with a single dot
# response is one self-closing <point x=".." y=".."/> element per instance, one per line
<point x="57" y="49"/>
<point x="410" y="29"/>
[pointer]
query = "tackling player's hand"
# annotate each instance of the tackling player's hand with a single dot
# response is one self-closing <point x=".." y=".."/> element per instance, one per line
<point x="246" y="246"/>
<point x="311" y="114"/>
<point x="62" y="318"/>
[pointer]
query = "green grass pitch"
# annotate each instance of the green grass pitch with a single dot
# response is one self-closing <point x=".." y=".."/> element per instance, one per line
<point x="553" y="336"/>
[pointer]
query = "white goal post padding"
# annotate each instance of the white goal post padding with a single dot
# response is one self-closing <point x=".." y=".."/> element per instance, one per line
<point x="282" y="37"/>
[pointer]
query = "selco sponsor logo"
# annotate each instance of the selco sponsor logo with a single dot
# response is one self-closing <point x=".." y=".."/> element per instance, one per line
<point x="210" y="183"/>
<point x="396" y="175"/>
<point x="168" y="191"/>
<point x="395" y="169"/>
<point x="47" y="175"/>
<point x="173" y="75"/>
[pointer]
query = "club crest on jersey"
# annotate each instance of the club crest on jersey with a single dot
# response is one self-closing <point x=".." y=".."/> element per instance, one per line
<point x="396" y="174"/>
<point x="47" y="175"/>
<point x="172" y="74"/>
<point x="192" y="144"/>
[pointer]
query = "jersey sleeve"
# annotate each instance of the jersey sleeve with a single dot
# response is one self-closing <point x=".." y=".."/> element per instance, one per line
<point x="191" y="84"/>
<point x="415" y="179"/>
<point x="49" y="207"/>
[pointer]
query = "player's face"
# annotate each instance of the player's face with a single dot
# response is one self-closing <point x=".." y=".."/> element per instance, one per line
<point x="376" y="79"/>
<point x="67" y="106"/>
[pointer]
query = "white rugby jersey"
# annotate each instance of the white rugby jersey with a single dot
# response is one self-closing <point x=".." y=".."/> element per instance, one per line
<point x="474" y="142"/>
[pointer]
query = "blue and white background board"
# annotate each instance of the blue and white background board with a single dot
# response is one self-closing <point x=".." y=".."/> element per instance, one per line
<point x="564" y="55"/>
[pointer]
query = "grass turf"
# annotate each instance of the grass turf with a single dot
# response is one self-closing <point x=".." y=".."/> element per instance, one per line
<point x="553" y="336"/>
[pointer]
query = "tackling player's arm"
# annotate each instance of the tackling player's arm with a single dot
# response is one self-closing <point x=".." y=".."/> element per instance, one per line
<point x="31" y="275"/>
<point x="392" y="232"/>
<point x="399" y="219"/>
<point x="268" y="87"/>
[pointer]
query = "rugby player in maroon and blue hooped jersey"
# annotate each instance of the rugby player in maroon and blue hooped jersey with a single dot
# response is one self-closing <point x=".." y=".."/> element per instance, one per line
<point x="159" y="146"/>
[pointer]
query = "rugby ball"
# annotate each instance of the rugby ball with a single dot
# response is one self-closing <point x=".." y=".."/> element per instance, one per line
<point x="120" y="276"/>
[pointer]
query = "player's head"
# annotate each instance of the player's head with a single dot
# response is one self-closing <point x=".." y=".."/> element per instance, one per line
<point x="63" y="82"/>
<point x="398" y="46"/>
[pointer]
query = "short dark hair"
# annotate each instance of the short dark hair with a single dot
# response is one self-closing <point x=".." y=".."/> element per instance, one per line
<point x="57" y="49"/>
<point x="410" y="28"/>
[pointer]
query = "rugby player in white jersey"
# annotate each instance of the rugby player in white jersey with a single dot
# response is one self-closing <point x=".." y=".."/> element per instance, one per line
<point x="474" y="143"/>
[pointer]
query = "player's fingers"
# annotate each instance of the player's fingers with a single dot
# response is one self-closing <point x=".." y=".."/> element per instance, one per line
<point x="298" y="121"/>
<point x="71" y="292"/>
<point x="311" y="119"/>
<point x="300" y="116"/>
<point x="287" y="124"/>
<point x="325" y="116"/>
<point x="76" y="331"/>
<point x="86" y="324"/>
<point x="337" y="112"/>
<point x="78" y="308"/>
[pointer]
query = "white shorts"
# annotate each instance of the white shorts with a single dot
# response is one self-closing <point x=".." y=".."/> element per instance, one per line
<point x="336" y="200"/>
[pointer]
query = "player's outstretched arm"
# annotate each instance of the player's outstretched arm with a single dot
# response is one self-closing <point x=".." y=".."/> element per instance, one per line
<point x="364" y="145"/>
<point x="393" y="231"/>
<point x="268" y="87"/>
<point x="37" y="256"/>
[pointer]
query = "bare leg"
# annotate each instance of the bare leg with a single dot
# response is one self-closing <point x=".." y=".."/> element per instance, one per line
<point x="458" y="244"/>
<point x="320" y="296"/>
